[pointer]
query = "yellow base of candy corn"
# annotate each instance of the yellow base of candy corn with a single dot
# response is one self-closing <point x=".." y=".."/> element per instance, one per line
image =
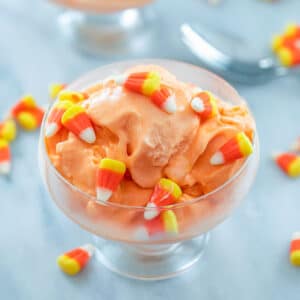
<point x="9" y="130"/>
<point x="170" y="186"/>
<point x="276" y="43"/>
<point x="294" y="168"/>
<point x="27" y="121"/>
<point x="3" y="143"/>
<point x="245" y="145"/>
<point x="285" y="57"/>
<point x="113" y="165"/>
<point x="151" y="84"/>
<point x="295" y="258"/>
<point x="170" y="221"/>
<point x="68" y="265"/>
<point x="290" y="29"/>
<point x="54" y="89"/>
<point x="29" y="100"/>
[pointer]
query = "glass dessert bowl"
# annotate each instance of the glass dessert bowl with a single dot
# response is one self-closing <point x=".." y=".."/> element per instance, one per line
<point x="145" y="241"/>
<point x="108" y="27"/>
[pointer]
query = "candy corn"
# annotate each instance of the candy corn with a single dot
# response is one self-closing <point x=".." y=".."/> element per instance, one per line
<point x="237" y="147"/>
<point x="204" y="104"/>
<point x="74" y="261"/>
<point x="291" y="34"/>
<point x="289" y="163"/>
<point x="295" y="249"/>
<point x="8" y="130"/>
<point x="55" y="89"/>
<point x="145" y="83"/>
<point x="164" y="100"/>
<point x="77" y="121"/>
<point x="30" y="119"/>
<point x="109" y="175"/>
<point x="5" y="157"/>
<point x="27" y="113"/>
<point x="25" y="103"/>
<point x="72" y="96"/>
<point x="165" y="223"/>
<point x="292" y="30"/>
<point x="289" y="56"/>
<point x="287" y="46"/>
<point x="166" y="192"/>
<point x="53" y="124"/>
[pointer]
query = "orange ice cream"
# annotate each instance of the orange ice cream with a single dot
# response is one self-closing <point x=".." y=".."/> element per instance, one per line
<point x="152" y="143"/>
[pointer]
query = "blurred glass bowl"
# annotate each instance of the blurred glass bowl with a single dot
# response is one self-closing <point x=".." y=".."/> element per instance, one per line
<point x="108" y="28"/>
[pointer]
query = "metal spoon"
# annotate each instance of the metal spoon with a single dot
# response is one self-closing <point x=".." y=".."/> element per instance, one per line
<point x="233" y="68"/>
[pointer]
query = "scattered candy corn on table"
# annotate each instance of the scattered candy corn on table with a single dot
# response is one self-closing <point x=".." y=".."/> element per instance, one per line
<point x="247" y="257"/>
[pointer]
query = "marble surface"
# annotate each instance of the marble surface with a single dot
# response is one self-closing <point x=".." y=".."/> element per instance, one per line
<point x="247" y="257"/>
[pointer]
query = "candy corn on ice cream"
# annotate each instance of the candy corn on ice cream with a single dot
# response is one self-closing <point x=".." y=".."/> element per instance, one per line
<point x="144" y="138"/>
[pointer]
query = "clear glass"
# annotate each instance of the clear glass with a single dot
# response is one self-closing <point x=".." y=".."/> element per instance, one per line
<point x="111" y="28"/>
<point x="121" y="247"/>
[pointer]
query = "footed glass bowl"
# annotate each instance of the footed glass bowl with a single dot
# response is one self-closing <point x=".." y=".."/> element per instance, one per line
<point x="120" y="232"/>
<point x="113" y="28"/>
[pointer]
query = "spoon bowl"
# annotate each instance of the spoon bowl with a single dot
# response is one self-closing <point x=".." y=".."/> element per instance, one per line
<point x="231" y="67"/>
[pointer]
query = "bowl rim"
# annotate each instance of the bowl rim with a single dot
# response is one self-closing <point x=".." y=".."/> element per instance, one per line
<point x="136" y="207"/>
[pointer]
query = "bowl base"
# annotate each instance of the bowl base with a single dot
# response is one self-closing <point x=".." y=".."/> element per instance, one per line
<point x="150" y="262"/>
<point x="127" y="32"/>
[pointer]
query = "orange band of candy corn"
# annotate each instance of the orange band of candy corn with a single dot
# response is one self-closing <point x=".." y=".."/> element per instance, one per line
<point x="205" y="105"/>
<point x="295" y="245"/>
<point x="109" y="179"/>
<point x="164" y="100"/>
<point x="237" y="147"/>
<point x="109" y="175"/>
<point x="4" y="151"/>
<point x="80" y="255"/>
<point x="54" y="119"/>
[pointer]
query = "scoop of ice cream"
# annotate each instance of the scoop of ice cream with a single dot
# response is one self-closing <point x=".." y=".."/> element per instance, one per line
<point x="152" y="143"/>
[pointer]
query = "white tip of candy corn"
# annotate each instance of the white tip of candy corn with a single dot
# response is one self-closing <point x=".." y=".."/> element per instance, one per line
<point x="5" y="168"/>
<point x="88" y="135"/>
<point x="152" y="212"/>
<point x="89" y="248"/>
<point x="217" y="159"/>
<point x="120" y="79"/>
<point x="51" y="129"/>
<point x="141" y="234"/>
<point x="103" y="194"/>
<point x="169" y="105"/>
<point x="296" y="235"/>
<point x="197" y="105"/>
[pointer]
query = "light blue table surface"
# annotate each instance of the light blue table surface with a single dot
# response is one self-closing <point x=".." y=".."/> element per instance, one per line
<point x="247" y="257"/>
